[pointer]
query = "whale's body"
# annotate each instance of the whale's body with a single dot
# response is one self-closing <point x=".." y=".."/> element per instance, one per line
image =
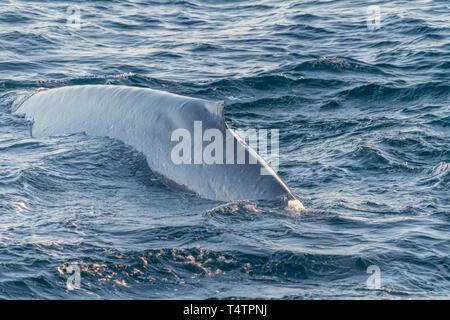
<point x="145" y="119"/>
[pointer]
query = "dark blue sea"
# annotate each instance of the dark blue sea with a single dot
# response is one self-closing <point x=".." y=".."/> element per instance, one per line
<point x="361" y="98"/>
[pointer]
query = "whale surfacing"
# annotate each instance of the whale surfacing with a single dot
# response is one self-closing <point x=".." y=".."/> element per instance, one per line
<point x="146" y="120"/>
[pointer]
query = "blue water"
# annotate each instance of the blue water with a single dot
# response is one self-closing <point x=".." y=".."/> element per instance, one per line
<point x="364" y="120"/>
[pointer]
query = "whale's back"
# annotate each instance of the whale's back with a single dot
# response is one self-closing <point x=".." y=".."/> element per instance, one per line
<point x="146" y="119"/>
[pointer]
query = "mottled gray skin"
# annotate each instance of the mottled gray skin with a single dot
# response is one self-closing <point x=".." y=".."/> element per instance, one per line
<point x="145" y="119"/>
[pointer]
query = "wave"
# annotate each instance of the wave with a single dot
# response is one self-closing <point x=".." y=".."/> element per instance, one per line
<point x="337" y="65"/>
<point x="374" y="91"/>
<point x="111" y="273"/>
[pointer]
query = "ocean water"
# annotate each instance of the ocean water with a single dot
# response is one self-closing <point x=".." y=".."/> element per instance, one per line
<point x="362" y="102"/>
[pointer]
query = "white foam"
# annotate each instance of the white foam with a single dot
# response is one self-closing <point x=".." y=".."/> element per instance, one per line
<point x="295" y="206"/>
